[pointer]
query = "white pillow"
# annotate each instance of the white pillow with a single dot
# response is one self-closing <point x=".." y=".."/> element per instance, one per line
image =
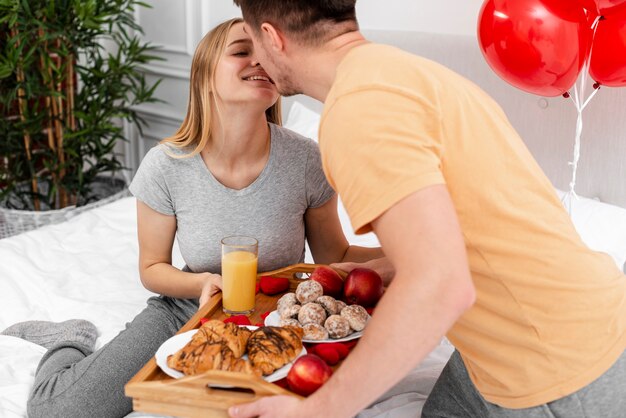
<point x="601" y="226"/>
<point x="303" y="120"/>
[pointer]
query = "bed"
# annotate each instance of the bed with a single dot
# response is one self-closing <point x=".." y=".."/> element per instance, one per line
<point x="87" y="267"/>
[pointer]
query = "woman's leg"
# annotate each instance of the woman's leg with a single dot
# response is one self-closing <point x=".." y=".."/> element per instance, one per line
<point x="48" y="334"/>
<point x="71" y="381"/>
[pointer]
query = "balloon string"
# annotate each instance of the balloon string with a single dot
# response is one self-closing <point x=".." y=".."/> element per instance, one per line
<point x="580" y="103"/>
<point x="589" y="98"/>
<point x="594" y="27"/>
<point x="576" y="99"/>
<point x="574" y="163"/>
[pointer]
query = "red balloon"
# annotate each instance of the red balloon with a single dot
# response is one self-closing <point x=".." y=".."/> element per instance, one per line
<point x="608" y="7"/>
<point x="602" y="7"/>
<point x="590" y="5"/>
<point x="608" y="55"/>
<point x="538" y="46"/>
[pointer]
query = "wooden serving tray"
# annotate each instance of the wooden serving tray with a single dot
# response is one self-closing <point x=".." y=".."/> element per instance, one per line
<point x="155" y="392"/>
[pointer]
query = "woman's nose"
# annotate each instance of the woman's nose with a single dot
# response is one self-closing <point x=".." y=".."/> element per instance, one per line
<point x="254" y="61"/>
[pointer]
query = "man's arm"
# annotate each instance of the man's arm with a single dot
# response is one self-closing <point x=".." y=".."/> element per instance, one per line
<point x="431" y="288"/>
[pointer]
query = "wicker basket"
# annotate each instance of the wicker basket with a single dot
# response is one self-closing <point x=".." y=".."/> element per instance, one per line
<point x="14" y="222"/>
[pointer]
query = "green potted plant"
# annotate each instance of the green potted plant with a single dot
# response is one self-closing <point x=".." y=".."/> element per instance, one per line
<point x="70" y="74"/>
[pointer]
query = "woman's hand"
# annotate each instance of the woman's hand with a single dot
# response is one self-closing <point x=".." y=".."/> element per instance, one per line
<point x="212" y="286"/>
<point x="382" y="266"/>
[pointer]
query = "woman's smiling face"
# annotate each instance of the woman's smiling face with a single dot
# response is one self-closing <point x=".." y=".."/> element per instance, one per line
<point x="239" y="77"/>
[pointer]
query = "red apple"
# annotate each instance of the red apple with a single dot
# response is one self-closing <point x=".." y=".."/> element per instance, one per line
<point x="307" y="374"/>
<point x="331" y="281"/>
<point x="363" y="287"/>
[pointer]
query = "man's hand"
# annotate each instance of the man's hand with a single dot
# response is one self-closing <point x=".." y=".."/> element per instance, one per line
<point x="212" y="286"/>
<point x="270" y="407"/>
<point x="382" y="266"/>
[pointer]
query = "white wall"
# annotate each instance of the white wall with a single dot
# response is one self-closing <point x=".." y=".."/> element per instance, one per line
<point x="444" y="16"/>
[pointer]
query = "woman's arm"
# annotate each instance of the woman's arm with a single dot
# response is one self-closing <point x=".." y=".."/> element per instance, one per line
<point x="156" y="234"/>
<point x="326" y="239"/>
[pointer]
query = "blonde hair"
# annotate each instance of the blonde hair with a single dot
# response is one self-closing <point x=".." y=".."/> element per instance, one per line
<point x="197" y="127"/>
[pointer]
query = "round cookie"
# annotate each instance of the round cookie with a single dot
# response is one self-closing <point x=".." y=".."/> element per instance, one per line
<point x="290" y="311"/>
<point x="314" y="332"/>
<point x="309" y="291"/>
<point x="287" y="299"/>
<point x="337" y="326"/>
<point x="312" y="313"/>
<point x="289" y="321"/>
<point x="340" y="305"/>
<point x="329" y="303"/>
<point x="356" y="315"/>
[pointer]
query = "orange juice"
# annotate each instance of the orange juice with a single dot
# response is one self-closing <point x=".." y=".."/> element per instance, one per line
<point x="238" y="281"/>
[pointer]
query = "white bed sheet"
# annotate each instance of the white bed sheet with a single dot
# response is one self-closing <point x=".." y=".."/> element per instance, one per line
<point x="87" y="268"/>
<point x="83" y="268"/>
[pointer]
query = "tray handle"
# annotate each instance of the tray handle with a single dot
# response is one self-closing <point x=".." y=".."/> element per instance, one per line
<point x="292" y="270"/>
<point x="242" y="380"/>
<point x="229" y="380"/>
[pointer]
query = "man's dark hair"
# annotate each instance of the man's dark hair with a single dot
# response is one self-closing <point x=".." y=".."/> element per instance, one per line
<point x="309" y="21"/>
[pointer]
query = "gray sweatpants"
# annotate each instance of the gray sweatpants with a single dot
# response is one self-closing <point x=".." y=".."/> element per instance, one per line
<point x="454" y="395"/>
<point x="71" y="381"/>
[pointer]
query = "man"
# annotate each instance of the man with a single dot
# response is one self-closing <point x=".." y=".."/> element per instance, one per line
<point x="482" y="248"/>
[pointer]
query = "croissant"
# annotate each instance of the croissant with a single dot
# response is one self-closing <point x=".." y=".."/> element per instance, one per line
<point x="211" y="333"/>
<point x="234" y="336"/>
<point x="178" y="360"/>
<point x="270" y="348"/>
<point x="215" y="357"/>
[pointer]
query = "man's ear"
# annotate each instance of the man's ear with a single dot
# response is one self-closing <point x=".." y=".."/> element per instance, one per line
<point x="275" y="37"/>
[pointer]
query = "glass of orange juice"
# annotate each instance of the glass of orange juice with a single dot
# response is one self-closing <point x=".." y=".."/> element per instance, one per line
<point x="239" y="268"/>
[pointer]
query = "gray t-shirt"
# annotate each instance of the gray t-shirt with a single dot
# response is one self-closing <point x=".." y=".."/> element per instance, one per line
<point x="271" y="209"/>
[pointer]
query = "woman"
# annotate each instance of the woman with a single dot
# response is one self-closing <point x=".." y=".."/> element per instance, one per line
<point x="227" y="171"/>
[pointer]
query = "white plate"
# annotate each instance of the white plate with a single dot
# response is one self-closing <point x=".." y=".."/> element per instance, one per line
<point x="178" y="341"/>
<point x="273" y="320"/>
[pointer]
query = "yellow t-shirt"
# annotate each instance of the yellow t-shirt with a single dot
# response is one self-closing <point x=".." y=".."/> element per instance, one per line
<point x="550" y="314"/>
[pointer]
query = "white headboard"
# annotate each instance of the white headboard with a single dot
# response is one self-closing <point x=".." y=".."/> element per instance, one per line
<point x="547" y="125"/>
